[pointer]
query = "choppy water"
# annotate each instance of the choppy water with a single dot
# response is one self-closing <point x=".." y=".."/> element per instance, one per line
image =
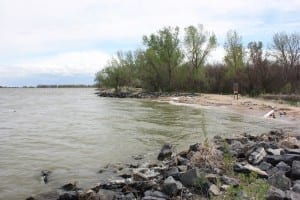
<point x="74" y="133"/>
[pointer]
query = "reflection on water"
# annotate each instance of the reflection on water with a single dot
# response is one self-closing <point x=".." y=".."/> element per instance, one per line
<point x="73" y="132"/>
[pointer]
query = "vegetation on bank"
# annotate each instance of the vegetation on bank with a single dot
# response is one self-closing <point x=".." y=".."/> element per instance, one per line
<point x="168" y="62"/>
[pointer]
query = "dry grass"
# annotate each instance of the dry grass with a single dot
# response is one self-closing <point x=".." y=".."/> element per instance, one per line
<point x="208" y="156"/>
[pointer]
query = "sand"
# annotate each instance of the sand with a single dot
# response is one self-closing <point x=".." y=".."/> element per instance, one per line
<point x="246" y="105"/>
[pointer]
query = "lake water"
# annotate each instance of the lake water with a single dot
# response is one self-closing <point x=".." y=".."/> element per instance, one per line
<point x="74" y="133"/>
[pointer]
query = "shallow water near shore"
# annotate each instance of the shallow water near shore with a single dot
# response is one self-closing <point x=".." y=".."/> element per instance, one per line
<point x="74" y="133"/>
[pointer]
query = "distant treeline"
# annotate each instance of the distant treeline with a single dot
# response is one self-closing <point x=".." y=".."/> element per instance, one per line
<point x="170" y="63"/>
<point x="54" y="86"/>
<point x="65" y="86"/>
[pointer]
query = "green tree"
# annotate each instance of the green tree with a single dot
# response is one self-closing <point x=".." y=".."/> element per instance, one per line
<point x="234" y="57"/>
<point x="163" y="55"/>
<point x="120" y="71"/>
<point x="198" y="45"/>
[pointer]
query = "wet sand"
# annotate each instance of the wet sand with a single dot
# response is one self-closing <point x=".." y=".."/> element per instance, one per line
<point x="246" y="105"/>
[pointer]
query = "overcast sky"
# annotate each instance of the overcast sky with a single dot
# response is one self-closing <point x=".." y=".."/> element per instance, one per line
<point x="68" y="41"/>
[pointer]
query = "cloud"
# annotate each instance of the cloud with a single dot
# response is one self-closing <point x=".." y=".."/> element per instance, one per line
<point x="71" y="63"/>
<point x="65" y="36"/>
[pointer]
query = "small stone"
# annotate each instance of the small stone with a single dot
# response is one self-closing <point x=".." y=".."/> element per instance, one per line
<point x="182" y="168"/>
<point x="165" y="152"/>
<point x="70" y="187"/>
<point x="214" y="190"/>
<point x="172" y="171"/>
<point x="276" y="152"/>
<point x="182" y="161"/>
<point x="138" y="157"/>
<point x="137" y="176"/>
<point x="157" y="194"/>
<point x="225" y="187"/>
<point x="230" y="181"/>
<point x="213" y="178"/>
<point x="195" y="147"/>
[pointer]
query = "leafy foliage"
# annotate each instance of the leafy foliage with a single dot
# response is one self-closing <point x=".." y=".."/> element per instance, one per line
<point x="167" y="63"/>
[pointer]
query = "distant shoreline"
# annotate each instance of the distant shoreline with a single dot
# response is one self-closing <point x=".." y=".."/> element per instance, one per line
<point x="53" y="86"/>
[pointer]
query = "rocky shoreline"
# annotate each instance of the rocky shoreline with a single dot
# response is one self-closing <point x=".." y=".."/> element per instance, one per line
<point x="266" y="166"/>
<point x="141" y="95"/>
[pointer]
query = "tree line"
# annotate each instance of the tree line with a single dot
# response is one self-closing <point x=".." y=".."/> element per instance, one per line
<point x="169" y="63"/>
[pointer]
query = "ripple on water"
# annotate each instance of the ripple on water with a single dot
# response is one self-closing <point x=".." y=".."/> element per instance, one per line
<point x="74" y="133"/>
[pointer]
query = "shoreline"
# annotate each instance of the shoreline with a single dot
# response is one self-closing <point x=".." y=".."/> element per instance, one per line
<point x="264" y="166"/>
<point x="252" y="106"/>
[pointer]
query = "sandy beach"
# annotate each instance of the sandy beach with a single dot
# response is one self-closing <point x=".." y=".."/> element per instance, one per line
<point x="252" y="106"/>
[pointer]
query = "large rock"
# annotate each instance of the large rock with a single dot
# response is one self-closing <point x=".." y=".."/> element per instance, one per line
<point x="170" y="186"/>
<point x="287" y="158"/>
<point x="189" y="178"/>
<point x="68" y="196"/>
<point x="172" y="171"/>
<point x="107" y="194"/>
<point x="165" y="152"/>
<point x="257" y="155"/>
<point x="296" y="187"/>
<point x="280" y="181"/>
<point x="282" y="166"/>
<point x="295" y="169"/>
<point x="290" y="142"/>
<point x="293" y="151"/>
<point x="264" y="166"/>
<point x="275" y="194"/>
<point x="290" y="195"/>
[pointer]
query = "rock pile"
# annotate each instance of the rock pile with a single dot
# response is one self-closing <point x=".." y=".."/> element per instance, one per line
<point x="202" y="172"/>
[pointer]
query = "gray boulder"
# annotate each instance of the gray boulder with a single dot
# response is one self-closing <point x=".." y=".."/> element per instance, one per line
<point x="280" y="181"/>
<point x="170" y="186"/>
<point x="189" y="178"/>
<point x="165" y="152"/>
<point x="296" y="187"/>
<point x="257" y="155"/>
<point x="264" y="166"/>
<point x="290" y="195"/>
<point x="295" y="169"/>
<point x="282" y="166"/>
<point x="275" y="194"/>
